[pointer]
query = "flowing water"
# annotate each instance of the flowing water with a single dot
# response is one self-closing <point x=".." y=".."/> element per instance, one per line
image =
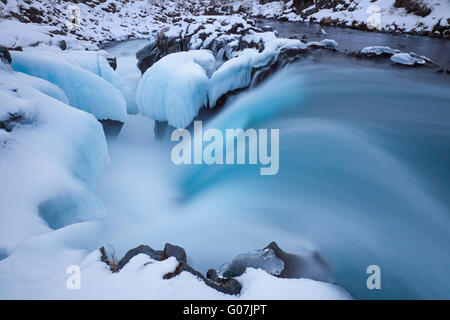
<point x="364" y="177"/>
<point x="354" y="40"/>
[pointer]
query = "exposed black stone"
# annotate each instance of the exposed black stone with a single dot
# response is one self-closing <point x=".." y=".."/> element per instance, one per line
<point x="13" y="119"/>
<point x="111" y="128"/>
<point x="63" y="45"/>
<point x="228" y="286"/>
<point x="112" y="62"/>
<point x="5" y="56"/>
<point x="311" y="267"/>
<point x="154" y="254"/>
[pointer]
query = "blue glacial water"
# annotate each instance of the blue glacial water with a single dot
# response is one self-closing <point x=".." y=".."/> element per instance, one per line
<point x="364" y="179"/>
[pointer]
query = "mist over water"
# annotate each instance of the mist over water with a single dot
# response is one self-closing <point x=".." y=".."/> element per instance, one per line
<point x="364" y="179"/>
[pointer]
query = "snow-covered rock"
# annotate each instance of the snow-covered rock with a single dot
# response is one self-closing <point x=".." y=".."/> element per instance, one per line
<point x="378" y="51"/>
<point x="142" y="277"/>
<point x="176" y="87"/>
<point x="406" y="59"/>
<point x="240" y="51"/>
<point x="84" y="89"/>
<point x="329" y="44"/>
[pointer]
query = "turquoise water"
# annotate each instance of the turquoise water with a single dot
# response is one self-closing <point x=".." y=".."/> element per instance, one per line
<point x="364" y="179"/>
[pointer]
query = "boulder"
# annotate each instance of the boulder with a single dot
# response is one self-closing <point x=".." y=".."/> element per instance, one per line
<point x="5" y="56"/>
<point x="311" y="266"/>
<point x="227" y="286"/>
<point x="278" y="263"/>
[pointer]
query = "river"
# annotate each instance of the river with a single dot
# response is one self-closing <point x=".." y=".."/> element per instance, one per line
<point x="364" y="171"/>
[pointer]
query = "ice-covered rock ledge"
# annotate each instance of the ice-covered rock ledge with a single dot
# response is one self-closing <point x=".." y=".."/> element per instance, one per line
<point x="204" y="63"/>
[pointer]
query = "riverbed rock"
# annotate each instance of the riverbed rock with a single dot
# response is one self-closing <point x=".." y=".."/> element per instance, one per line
<point x="264" y="259"/>
<point x="111" y="128"/>
<point x="281" y="264"/>
<point x="5" y="56"/>
<point x="13" y="119"/>
<point x="225" y="285"/>
<point x="416" y="7"/>
<point x="310" y="265"/>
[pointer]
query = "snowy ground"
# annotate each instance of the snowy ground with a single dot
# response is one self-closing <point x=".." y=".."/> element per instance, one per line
<point x="23" y="24"/>
<point x="380" y="15"/>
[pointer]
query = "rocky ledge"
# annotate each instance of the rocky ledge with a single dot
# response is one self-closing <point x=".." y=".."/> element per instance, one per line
<point x="271" y="259"/>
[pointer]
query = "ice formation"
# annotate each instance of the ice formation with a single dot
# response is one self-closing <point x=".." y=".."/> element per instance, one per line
<point x="84" y="89"/>
<point x="176" y="87"/>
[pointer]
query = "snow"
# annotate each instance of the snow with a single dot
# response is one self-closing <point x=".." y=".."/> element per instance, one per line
<point x="406" y="59"/>
<point x="50" y="158"/>
<point x="176" y="87"/>
<point x="259" y="285"/>
<point x="85" y="90"/>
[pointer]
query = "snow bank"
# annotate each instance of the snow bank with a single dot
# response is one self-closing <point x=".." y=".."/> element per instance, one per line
<point x="141" y="278"/>
<point x="259" y="285"/>
<point x="85" y="90"/>
<point x="176" y="87"/>
<point x="50" y="157"/>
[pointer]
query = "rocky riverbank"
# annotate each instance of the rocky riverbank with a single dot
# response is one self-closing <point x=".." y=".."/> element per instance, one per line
<point x="271" y="259"/>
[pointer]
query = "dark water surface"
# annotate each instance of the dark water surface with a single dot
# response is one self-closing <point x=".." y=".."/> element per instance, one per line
<point x="436" y="49"/>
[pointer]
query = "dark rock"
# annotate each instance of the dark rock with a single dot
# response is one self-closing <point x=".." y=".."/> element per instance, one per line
<point x="14" y="119"/>
<point x="18" y="48"/>
<point x="5" y="56"/>
<point x="311" y="267"/>
<point x="413" y="6"/>
<point x="300" y="5"/>
<point x="62" y="45"/>
<point x="143" y="249"/>
<point x="227" y="286"/>
<point x="111" y="128"/>
<point x="112" y="62"/>
<point x="108" y="257"/>
<point x="264" y="259"/>
<point x="278" y="263"/>
<point x="175" y="251"/>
